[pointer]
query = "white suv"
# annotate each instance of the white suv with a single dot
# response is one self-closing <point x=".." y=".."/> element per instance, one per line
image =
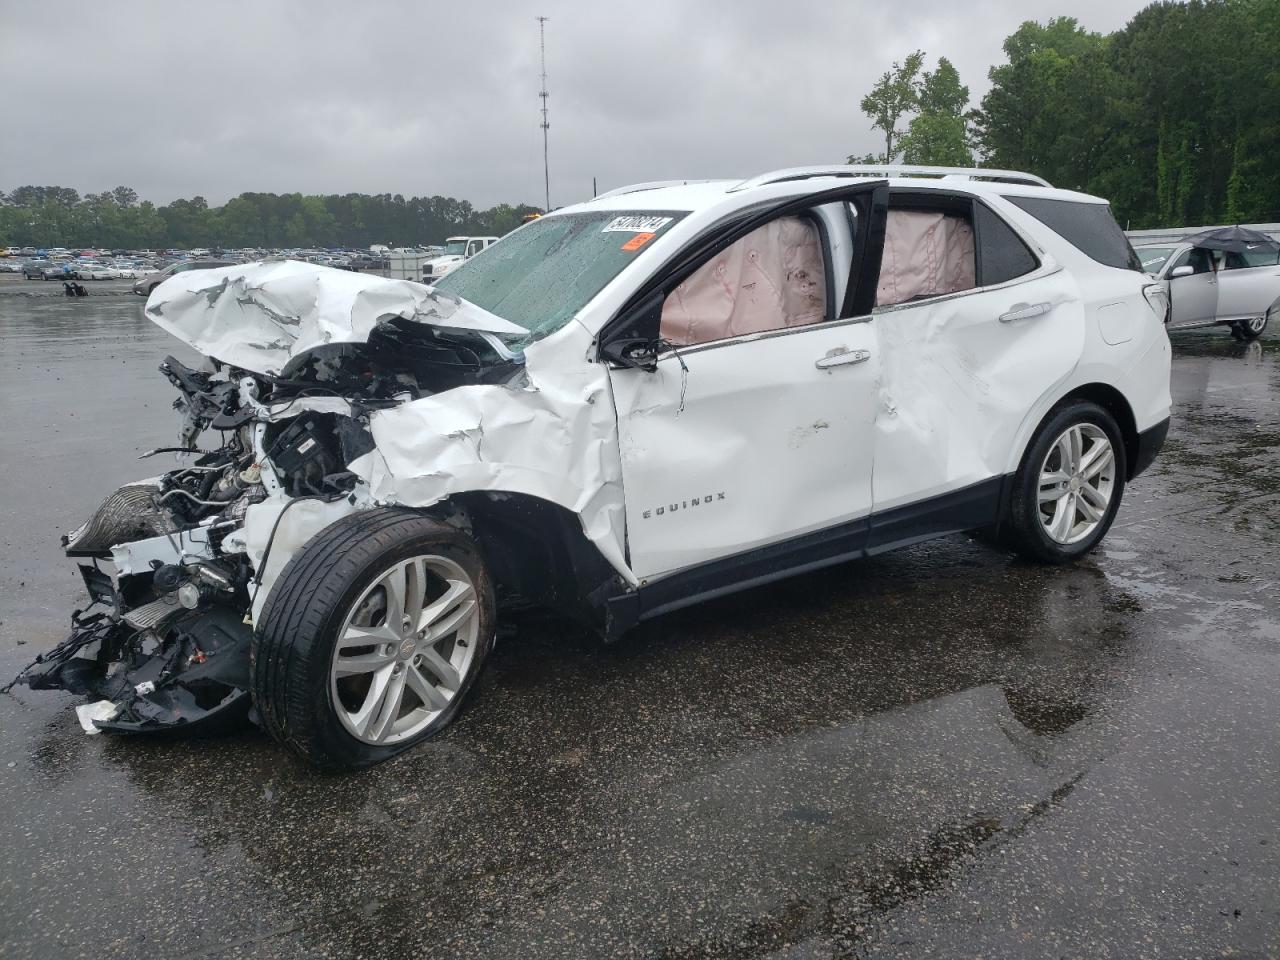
<point x="670" y="393"/>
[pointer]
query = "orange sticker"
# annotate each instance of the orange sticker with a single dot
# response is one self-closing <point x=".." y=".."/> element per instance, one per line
<point x="638" y="241"/>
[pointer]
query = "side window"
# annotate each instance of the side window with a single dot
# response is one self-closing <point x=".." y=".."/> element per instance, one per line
<point x="1260" y="256"/>
<point x="1199" y="261"/>
<point x="927" y="253"/>
<point x="1002" y="256"/>
<point x="773" y="278"/>
<point x="1089" y="227"/>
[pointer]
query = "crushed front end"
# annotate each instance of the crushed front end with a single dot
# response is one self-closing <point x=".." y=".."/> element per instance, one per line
<point x="174" y="565"/>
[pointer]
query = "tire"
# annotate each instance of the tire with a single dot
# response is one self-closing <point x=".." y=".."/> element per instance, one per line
<point x="1028" y="525"/>
<point x="1250" y="329"/>
<point x="307" y="689"/>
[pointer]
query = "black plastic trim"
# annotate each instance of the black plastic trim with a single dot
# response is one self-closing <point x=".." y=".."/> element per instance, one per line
<point x="969" y="508"/>
<point x="1149" y="443"/>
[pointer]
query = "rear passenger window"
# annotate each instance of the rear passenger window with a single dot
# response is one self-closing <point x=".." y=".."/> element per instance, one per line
<point x="1089" y="227"/>
<point x="927" y="253"/>
<point x="1002" y="256"/>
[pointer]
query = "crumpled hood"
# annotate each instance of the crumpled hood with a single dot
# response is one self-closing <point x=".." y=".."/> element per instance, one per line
<point x="260" y="316"/>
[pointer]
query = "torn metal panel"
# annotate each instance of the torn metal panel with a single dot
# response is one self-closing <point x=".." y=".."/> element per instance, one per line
<point x="276" y="529"/>
<point x="260" y="316"/>
<point x="181" y="546"/>
<point x="551" y="436"/>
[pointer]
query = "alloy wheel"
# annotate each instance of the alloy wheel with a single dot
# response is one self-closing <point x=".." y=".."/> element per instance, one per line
<point x="405" y="649"/>
<point x="1077" y="481"/>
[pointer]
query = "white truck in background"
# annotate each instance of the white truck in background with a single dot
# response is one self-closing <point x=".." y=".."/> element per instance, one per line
<point x="406" y="263"/>
<point x="456" y="250"/>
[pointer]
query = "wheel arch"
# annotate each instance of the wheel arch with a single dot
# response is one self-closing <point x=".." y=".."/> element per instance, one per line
<point x="1110" y="399"/>
<point x="537" y="553"/>
<point x="1116" y="404"/>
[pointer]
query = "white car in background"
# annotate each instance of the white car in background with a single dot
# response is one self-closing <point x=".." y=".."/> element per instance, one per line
<point x="670" y="393"/>
<point x="96" y="271"/>
<point x="1236" y="289"/>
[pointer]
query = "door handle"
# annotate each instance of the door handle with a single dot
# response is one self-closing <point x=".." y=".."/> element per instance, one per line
<point x="840" y="356"/>
<point x="1025" y="312"/>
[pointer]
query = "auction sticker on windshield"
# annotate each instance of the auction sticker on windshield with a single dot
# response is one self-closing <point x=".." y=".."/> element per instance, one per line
<point x="636" y="224"/>
<point x="638" y="241"/>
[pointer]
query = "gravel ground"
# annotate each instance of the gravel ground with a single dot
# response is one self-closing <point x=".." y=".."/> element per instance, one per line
<point x="943" y="752"/>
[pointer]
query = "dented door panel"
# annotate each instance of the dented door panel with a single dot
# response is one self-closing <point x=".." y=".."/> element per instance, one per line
<point x="957" y="381"/>
<point x="746" y="442"/>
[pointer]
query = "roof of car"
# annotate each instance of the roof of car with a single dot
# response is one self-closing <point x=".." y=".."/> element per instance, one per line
<point x="698" y="194"/>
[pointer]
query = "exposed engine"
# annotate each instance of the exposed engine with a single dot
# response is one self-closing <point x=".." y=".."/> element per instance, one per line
<point x="164" y="643"/>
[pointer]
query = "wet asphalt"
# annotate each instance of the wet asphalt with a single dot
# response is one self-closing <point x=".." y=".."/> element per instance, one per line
<point x="943" y="752"/>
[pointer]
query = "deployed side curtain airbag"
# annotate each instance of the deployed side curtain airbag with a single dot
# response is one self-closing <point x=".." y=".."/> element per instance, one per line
<point x="925" y="255"/>
<point x="772" y="278"/>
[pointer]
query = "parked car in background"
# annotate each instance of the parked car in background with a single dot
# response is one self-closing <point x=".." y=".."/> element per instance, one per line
<point x="96" y="271"/>
<point x="146" y="284"/>
<point x="34" y="269"/>
<point x="59" y="271"/>
<point x="1239" y="289"/>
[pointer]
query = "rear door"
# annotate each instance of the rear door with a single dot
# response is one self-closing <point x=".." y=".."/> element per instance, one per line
<point x="1248" y="283"/>
<point x="972" y="327"/>
<point x="1194" y="297"/>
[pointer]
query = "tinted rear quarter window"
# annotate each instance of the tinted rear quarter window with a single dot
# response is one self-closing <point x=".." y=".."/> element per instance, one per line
<point x="1089" y="227"/>
<point x="1002" y="255"/>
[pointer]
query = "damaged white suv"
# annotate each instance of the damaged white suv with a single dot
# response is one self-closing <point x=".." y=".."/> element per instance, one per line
<point x="669" y="393"/>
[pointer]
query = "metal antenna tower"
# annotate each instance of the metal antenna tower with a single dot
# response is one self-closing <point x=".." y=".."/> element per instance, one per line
<point x="542" y="47"/>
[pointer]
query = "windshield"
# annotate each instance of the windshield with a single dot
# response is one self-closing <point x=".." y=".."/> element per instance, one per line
<point x="542" y="274"/>
<point x="455" y="248"/>
<point x="1153" y="258"/>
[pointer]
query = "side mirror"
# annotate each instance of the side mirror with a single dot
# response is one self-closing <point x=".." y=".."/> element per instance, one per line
<point x="632" y="340"/>
<point x="1186" y="270"/>
<point x="632" y="353"/>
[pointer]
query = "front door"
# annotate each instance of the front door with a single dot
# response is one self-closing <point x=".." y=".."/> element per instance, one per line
<point x="757" y="425"/>
<point x="1194" y="298"/>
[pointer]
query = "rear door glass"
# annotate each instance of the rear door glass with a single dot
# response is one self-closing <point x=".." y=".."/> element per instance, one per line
<point x="1002" y="256"/>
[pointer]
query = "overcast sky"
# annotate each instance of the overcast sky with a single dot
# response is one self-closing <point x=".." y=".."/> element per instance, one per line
<point x="177" y="99"/>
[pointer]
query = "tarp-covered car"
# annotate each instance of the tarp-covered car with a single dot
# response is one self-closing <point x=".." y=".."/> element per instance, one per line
<point x="666" y="394"/>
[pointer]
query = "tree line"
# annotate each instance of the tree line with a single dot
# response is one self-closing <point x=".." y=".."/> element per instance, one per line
<point x="1175" y="118"/>
<point x="116" y="219"/>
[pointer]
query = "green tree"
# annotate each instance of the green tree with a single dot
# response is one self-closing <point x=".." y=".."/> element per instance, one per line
<point x="894" y="95"/>
<point x="939" y="133"/>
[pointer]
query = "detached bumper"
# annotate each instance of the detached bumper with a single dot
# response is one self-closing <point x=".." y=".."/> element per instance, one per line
<point x="1149" y="443"/>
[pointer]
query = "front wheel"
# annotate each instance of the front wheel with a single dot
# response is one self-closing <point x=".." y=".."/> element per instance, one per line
<point x="1068" y="487"/>
<point x="371" y="638"/>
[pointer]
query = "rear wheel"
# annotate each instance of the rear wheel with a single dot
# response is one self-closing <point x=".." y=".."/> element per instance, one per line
<point x="371" y="638"/>
<point x="1068" y="488"/>
<point x="1250" y="329"/>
